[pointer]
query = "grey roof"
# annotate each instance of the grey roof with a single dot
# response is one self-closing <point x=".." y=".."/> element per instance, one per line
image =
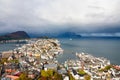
<point x="62" y="71"/>
<point x="5" y="78"/>
<point x="50" y="65"/>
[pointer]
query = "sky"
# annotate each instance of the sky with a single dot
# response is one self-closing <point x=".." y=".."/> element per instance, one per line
<point x="85" y="17"/>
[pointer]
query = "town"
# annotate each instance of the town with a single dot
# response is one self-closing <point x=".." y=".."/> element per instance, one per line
<point x="36" y="60"/>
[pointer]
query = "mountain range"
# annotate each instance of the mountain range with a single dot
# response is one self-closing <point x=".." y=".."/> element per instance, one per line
<point x="24" y="35"/>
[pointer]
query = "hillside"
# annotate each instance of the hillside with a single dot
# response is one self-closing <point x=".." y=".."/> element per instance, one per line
<point x="14" y="35"/>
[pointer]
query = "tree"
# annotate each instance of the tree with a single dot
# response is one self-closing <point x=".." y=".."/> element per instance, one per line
<point x="24" y="76"/>
<point x="50" y="75"/>
<point x="106" y="68"/>
<point x="56" y="76"/>
<point x="70" y="76"/>
<point x="3" y="60"/>
<point x="81" y="72"/>
<point x="87" y="77"/>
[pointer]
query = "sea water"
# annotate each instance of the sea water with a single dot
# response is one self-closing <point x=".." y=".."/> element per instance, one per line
<point x="99" y="47"/>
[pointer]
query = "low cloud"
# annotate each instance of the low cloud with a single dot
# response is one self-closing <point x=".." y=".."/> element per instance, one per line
<point x="100" y="34"/>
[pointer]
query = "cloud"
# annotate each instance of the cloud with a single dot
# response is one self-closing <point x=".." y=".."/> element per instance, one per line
<point x="100" y="34"/>
<point x="56" y="15"/>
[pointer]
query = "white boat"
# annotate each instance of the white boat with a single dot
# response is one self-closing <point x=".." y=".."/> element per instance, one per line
<point x="70" y="39"/>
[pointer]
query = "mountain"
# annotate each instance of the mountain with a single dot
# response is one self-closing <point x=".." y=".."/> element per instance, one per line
<point x="15" y="35"/>
<point x="69" y="35"/>
<point x="58" y="35"/>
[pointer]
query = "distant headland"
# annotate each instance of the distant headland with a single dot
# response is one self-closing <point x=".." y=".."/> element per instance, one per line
<point x="15" y="35"/>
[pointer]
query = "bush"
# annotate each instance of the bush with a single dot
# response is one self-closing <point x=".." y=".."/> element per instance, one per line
<point x="106" y="68"/>
<point x="14" y="61"/>
<point x="44" y="73"/>
<point x="87" y="77"/>
<point x="23" y="76"/>
<point x="70" y="76"/>
<point x="3" y="60"/>
<point x="81" y="72"/>
<point x="50" y="75"/>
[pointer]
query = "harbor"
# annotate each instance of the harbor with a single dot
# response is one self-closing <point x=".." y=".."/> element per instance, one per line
<point x="39" y="57"/>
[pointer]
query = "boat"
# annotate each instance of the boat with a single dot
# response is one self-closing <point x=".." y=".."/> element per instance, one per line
<point x="70" y="39"/>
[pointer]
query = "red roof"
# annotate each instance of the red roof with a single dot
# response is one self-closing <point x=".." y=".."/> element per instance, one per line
<point x="12" y="77"/>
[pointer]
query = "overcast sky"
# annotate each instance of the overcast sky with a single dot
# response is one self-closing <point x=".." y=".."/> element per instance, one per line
<point x="53" y="16"/>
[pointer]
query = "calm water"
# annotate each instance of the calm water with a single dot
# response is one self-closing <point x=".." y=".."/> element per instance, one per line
<point x="109" y="48"/>
<point x="10" y="46"/>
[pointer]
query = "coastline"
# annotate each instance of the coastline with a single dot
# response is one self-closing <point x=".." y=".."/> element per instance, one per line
<point x="40" y="55"/>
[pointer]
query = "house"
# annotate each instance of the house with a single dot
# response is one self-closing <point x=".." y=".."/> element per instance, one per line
<point x="10" y="58"/>
<point x="31" y="75"/>
<point x="5" y="78"/>
<point x="50" y="66"/>
<point x="17" y="73"/>
<point x="11" y="77"/>
<point x="66" y="78"/>
<point x="62" y="71"/>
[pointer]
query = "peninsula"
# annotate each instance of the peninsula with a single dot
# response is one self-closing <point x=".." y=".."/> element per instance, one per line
<point x="15" y="35"/>
<point x="37" y="61"/>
